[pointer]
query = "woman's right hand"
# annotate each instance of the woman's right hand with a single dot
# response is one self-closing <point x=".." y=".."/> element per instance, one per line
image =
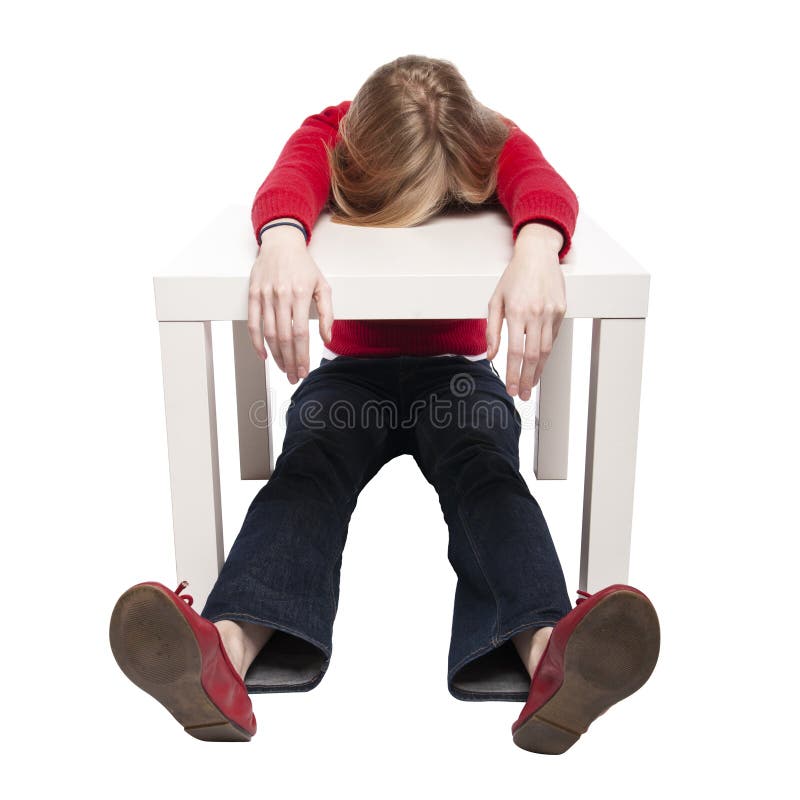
<point x="283" y="281"/>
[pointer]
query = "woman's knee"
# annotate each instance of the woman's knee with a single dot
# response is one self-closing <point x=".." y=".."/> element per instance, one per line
<point x="319" y="467"/>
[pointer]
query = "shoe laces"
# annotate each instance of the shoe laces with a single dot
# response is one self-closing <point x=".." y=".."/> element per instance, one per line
<point x="187" y="597"/>
<point x="581" y="599"/>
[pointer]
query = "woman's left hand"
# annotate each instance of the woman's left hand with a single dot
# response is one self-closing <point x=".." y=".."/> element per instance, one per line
<point x="532" y="296"/>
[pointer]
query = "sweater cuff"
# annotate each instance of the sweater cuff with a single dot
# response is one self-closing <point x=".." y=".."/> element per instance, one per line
<point x="548" y="208"/>
<point x="278" y="203"/>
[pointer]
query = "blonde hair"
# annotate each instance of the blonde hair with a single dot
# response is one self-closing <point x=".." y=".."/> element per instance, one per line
<point x="413" y="141"/>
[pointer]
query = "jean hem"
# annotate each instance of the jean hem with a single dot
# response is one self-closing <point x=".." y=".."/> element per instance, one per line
<point x="494" y="643"/>
<point x="523" y="626"/>
<point x="306" y="686"/>
<point x="290" y="687"/>
<point x="242" y="616"/>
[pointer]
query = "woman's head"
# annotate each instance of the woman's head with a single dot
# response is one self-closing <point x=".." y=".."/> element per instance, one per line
<point x="413" y="141"/>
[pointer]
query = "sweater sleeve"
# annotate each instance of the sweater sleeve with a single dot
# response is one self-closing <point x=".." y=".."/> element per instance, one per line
<point x="299" y="183"/>
<point x="530" y="189"/>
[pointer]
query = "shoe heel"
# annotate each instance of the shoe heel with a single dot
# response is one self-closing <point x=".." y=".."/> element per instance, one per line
<point x="219" y="732"/>
<point x="540" y="736"/>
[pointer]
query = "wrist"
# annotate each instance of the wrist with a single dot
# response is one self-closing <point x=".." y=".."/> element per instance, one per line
<point x="273" y="232"/>
<point x="540" y="233"/>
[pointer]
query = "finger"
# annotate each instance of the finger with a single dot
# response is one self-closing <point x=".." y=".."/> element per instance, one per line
<point x="533" y="335"/>
<point x="494" y="326"/>
<point x="557" y="320"/>
<point x="545" y="348"/>
<point x="559" y="312"/>
<point x="270" y="330"/>
<point x="283" y="322"/>
<point x="300" y="309"/>
<point x="324" y="301"/>
<point x="516" y="337"/>
<point x="254" y="323"/>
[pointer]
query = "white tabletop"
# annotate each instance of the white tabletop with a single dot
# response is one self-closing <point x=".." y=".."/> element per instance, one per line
<point x="445" y="268"/>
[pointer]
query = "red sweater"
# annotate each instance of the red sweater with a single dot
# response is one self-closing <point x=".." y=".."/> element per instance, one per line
<point x="299" y="186"/>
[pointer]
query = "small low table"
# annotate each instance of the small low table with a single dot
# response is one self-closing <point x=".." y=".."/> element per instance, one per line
<point x="446" y="268"/>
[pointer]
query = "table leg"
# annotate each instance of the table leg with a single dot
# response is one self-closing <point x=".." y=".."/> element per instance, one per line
<point x="551" y="448"/>
<point x="253" y="407"/>
<point x="188" y="372"/>
<point x="612" y="432"/>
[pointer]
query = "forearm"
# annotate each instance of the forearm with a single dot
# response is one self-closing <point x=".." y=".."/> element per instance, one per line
<point x="539" y="234"/>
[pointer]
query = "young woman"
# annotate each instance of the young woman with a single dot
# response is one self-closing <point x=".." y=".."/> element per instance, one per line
<point x="412" y="142"/>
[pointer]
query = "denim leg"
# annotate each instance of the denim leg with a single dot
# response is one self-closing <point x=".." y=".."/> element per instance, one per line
<point x="509" y="577"/>
<point x="283" y="568"/>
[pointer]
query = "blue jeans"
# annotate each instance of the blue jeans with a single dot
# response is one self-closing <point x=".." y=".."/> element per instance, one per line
<point x="346" y="419"/>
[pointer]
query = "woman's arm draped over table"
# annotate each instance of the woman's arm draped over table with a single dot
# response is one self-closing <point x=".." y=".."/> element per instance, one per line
<point x="531" y="190"/>
<point x="298" y="186"/>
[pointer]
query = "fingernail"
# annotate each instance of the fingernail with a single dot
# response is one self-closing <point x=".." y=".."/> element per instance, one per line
<point x="512" y="389"/>
<point x="301" y="371"/>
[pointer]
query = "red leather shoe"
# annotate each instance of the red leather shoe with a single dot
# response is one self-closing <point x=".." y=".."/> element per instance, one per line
<point x="167" y="649"/>
<point x="600" y="652"/>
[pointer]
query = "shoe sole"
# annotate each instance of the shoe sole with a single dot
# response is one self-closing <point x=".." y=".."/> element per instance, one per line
<point x="610" y="654"/>
<point x="156" y="648"/>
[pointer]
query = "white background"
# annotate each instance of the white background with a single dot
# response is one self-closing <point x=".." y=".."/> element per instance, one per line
<point x="127" y="126"/>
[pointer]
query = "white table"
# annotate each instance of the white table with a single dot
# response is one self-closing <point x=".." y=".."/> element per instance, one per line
<point x="446" y="268"/>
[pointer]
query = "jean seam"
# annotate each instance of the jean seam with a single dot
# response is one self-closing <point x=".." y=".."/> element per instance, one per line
<point x="374" y="468"/>
<point x="457" y="495"/>
<point x="524" y="626"/>
<point x="483" y="571"/>
<point x="334" y="601"/>
<point x="484" y="648"/>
